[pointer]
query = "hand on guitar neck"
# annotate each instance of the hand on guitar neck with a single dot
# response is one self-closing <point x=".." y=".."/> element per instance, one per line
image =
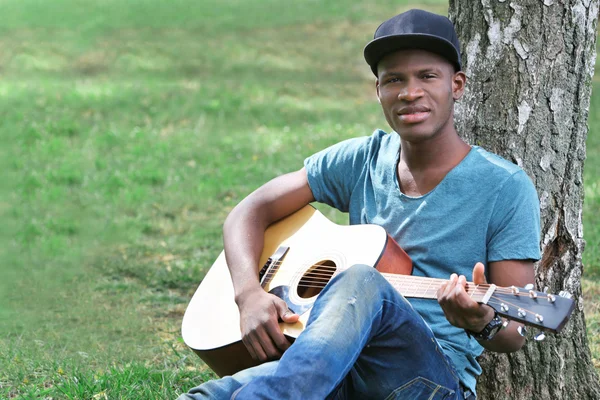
<point x="464" y="312"/>
<point x="260" y="313"/>
<point x="460" y="309"/>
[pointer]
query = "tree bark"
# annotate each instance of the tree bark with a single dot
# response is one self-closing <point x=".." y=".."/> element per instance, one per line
<point x="530" y="65"/>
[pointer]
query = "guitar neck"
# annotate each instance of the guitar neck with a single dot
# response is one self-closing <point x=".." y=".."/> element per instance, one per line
<point x="426" y="288"/>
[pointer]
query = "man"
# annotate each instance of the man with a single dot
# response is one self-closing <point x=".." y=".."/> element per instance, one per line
<point x="451" y="206"/>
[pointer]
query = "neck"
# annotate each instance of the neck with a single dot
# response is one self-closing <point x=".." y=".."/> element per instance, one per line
<point x="423" y="165"/>
<point x="443" y="151"/>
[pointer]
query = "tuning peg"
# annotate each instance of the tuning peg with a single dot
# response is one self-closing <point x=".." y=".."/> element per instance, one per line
<point x="533" y="294"/>
<point x="522" y="330"/>
<point x="529" y="286"/>
<point x="539" y="318"/>
<point x="565" y="294"/>
<point x="521" y="313"/>
<point x="515" y="290"/>
<point x="551" y="298"/>
<point x="540" y="336"/>
<point x="503" y="307"/>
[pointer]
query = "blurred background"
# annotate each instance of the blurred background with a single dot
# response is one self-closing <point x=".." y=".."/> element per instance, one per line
<point x="129" y="130"/>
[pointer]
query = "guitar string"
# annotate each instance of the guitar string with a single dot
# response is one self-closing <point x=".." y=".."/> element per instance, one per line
<point x="328" y="276"/>
<point x="476" y="289"/>
<point x="335" y="268"/>
<point x="414" y="281"/>
<point x="320" y="277"/>
<point x="317" y="279"/>
<point x="317" y="282"/>
<point x="494" y="300"/>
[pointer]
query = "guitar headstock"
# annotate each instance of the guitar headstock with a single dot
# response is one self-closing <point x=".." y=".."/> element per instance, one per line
<point x="545" y="311"/>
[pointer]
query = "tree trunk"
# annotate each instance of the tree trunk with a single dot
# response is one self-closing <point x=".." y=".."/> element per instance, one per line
<point x="529" y="65"/>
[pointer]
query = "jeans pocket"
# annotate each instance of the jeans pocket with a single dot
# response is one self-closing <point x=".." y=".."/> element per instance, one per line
<point x="421" y="388"/>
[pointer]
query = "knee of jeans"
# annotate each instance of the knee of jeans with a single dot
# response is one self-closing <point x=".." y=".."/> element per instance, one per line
<point x="360" y="271"/>
<point x="370" y="282"/>
<point x="361" y="275"/>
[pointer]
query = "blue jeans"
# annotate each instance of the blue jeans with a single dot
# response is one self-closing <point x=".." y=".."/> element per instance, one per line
<point x="363" y="340"/>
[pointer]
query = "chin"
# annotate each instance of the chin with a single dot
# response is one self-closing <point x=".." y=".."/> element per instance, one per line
<point x="416" y="134"/>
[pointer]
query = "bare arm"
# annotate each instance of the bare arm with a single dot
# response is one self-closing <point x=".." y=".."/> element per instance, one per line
<point x="508" y="273"/>
<point x="465" y="313"/>
<point x="243" y="236"/>
<point x="243" y="231"/>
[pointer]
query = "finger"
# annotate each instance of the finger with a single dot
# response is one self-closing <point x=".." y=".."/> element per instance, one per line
<point x="284" y="312"/>
<point x="278" y="338"/>
<point x="442" y="294"/>
<point x="289" y="317"/>
<point x="463" y="298"/>
<point x="450" y="285"/>
<point x="462" y="281"/>
<point x="260" y="346"/>
<point x="441" y="290"/>
<point x="479" y="274"/>
<point x="459" y="288"/>
<point x="254" y="347"/>
<point x="267" y="343"/>
<point x="459" y="295"/>
<point x="248" y="343"/>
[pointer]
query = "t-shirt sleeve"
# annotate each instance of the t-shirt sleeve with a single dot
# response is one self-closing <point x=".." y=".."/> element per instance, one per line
<point x="334" y="172"/>
<point x="514" y="230"/>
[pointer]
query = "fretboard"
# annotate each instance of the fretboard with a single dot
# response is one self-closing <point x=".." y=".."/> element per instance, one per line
<point x="426" y="288"/>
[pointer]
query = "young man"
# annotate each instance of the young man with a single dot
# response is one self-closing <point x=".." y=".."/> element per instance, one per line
<point x="451" y="206"/>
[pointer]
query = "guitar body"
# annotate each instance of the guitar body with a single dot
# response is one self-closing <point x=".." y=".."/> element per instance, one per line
<point x="307" y="245"/>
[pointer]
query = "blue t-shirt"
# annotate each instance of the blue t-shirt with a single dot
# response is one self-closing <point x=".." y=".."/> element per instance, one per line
<point x="485" y="209"/>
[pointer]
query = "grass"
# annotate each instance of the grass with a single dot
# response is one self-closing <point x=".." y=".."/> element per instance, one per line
<point x="130" y="129"/>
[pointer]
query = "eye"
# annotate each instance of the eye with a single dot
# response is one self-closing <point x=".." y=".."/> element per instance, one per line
<point x="429" y="76"/>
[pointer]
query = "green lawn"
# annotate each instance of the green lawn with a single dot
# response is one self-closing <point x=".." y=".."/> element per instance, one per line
<point x="130" y="129"/>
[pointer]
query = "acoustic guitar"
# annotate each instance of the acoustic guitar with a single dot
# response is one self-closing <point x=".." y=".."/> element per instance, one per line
<point x="301" y="253"/>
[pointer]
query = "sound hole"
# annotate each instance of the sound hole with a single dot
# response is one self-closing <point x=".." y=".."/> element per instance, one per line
<point x="315" y="279"/>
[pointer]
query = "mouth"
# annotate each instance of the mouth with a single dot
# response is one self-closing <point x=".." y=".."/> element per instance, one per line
<point x="413" y="114"/>
<point x="414" y="118"/>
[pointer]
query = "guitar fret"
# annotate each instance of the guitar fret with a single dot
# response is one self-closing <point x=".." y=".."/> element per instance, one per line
<point x="473" y="292"/>
<point x="428" y="286"/>
<point x="413" y="286"/>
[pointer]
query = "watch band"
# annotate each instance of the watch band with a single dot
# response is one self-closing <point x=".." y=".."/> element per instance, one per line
<point x="490" y="329"/>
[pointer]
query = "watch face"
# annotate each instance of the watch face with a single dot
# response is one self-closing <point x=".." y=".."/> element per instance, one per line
<point x="493" y="327"/>
<point x="497" y="326"/>
<point x="490" y="330"/>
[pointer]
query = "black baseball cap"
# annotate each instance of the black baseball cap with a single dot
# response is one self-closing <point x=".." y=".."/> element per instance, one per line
<point x="414" y="29"/>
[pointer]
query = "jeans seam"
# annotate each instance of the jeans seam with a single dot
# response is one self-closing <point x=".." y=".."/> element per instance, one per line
<point x="449" y="367"/>
<point x="434" y="392"/>
<point x="358" y="351"/>
<point x="432" y="385"/>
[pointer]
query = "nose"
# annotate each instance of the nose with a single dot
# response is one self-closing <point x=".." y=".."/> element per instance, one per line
<point x="411" y="91"/>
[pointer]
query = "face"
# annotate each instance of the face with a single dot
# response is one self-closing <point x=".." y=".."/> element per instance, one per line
<point x="417" y="90"/>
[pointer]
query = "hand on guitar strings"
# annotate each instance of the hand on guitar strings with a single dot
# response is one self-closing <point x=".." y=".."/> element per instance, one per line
<point x="260" y="313"/>
<point x="460" y="309"/>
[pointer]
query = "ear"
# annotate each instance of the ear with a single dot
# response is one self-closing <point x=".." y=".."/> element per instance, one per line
<point x="459" y="80"/>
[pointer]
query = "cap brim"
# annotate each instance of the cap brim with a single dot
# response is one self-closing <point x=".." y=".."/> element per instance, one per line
<point x="378" y="48"/>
